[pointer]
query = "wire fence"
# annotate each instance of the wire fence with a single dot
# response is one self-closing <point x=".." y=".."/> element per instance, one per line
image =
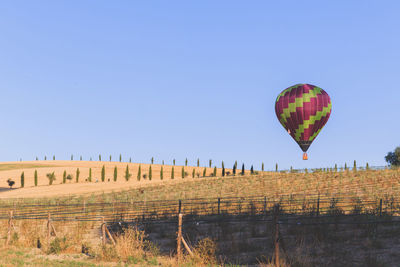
<point x="292" y="206"/>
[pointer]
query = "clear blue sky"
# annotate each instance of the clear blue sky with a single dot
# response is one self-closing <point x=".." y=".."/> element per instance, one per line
<point x="177" y="79"/>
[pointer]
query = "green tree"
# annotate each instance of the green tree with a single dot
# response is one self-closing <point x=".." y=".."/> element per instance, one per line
<point x="193" y="173"/>
<point x="262" y="167"/>
<point x="110" y="158"/>
<point x="103" y="173"/>
<point x="127" y="173"/>
<point x="367" y="166"/>
<point x="215" y="172"/>
<point x="130" y="160"/>
<point x="355" y="166"/>
<point x="198" y="162"/>
<point x="152" y="160"/>
<point x="90" y="175"/>
<point x="162" y="173"/>
<point x="393" y="157"/>
<point x="120" y="158"/>
<point x="150" y="173"/>
<point x="37" y="158"/>
<point x="99" y="157"/>
<point x="51" y="177"/>
<point x="80" y="158"/>
<point x="172" y="172"/>
<point x="251" y="170"/>
<point x="163" y="162"/>
<point x="72" y="157"/>
<point x="183" y="172"/>
<point x="36" y="178"/>
<point x="223" y="169"/>
<point x="345" y="166"/>
<point x="234" y="169"/>
<point x="174" y="162"/>
<point x="54" y="157"/>
<point x="45" y="158"/>
<point x="276" y="167"/>
<point x="22" y="179"/>
<point x="77" y="175"/>
<point x="64" y="177"/>
<point x="242" y="169"/>
<point x="210" y="163"/>
<point x="204" y="172"/>
<point x="335" y="167"/>
<point x="139" y="174"/>
<point x="291" y="169"/>
<point x="115" y="173"/>
<point x="186" y="162"/>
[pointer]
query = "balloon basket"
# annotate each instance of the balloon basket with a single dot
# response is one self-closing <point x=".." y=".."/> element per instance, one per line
<point x="305" y="157"/>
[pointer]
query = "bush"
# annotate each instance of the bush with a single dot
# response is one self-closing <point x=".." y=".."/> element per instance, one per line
<point x="58" y="245"/>
<point x="10" y="183"/>
<point x="204" y="252"/>
<point x="52" y="177"/>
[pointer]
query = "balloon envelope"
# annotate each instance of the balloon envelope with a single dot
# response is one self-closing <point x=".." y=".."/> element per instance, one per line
<point x="303" y="110"/>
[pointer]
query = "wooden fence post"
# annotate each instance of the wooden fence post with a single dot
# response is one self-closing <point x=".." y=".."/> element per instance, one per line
<point x="103" y="231"/>
<point x="10" y="225"/>
<point x="318" y="206"/>
<point x="48" y="229"/>
<point x="276" y="239"/>
<point x="219" y="206"/>
<point x="265" y="205"/>
<point x="179" y="239"/>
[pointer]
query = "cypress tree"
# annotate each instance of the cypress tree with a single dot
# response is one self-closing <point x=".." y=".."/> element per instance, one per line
<point x="139" y="174"/>
<point x="262" y="167"/>
<point x="335" y="167"/>
<point x="120" y="158"/>
<point x="210" y="163"/>
<point x="77" y="175"/>
<point x="22" y="179"/>
<point x="103" y="173"/>
<point x="204" y="172"/>
<point x="174" y="162"/>
<point x="110" y="158"/>
<point x="163" y="162"/>
<point x="367" y="166"/>
<point x="345" y="166"/>
<point x="80" y="158"/>
<point x="37" y="158"/>
<point x="251" y="170"/>
<point x="150" y="173"/>
<point x="54" y="157"/>
<point x="235" y="164"/>
<point x="152" y="160"/>
<point x="243" y="169"/>
<point x="64" y="177"/>
<point x="305" y="170"/>
<point x="130" y="160"/>
<point x="183" y="172"/>
<point x="72" y="157"/>
<point x="90" y="158"/>
<point x="291" y="169"/>
<point x="198" y="162"/>
<point x="186" y="162"/>
<point x="99" y="157"/>
<point x="355" y="166"/>
<point x="115" y="173"/>
<point x="36" y="178"/>
<point x="223" y="170"/>
<point x="215" y="172"/>
<point x="172" y="172"/>
<point x="276" y="167"/>
<point x="234" y="169"/>
<point x="162" y="173"/>
<point x="193" y="173"/>
<point x="90" y="175"/>
<point x="127" y="173"/>
<point x="45" y="158"/>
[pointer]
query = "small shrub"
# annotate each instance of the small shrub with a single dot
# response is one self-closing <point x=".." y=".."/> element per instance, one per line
<point x="10" y="183"/>
<point x="51" y="177"/>
<point x="58" y="245"/>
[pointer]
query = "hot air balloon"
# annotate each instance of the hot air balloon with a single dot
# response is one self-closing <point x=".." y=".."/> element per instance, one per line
<point x="303" y="110"/>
